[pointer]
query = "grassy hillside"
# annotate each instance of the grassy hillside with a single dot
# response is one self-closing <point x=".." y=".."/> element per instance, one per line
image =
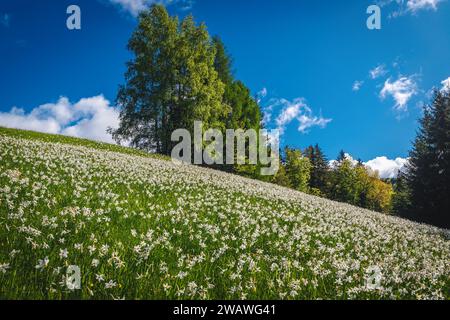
<point x="140" y="227"/>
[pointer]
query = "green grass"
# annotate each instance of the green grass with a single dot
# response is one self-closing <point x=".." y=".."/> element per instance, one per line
<point x="161" y="231"/>
<point x="56" y="138"/>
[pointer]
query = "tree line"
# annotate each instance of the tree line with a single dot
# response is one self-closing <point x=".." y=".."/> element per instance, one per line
<point x="309" y="171"/>
<point x="180" y="74"/>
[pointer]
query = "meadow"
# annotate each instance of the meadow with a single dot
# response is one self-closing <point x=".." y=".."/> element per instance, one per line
<point x="140" y="227"/>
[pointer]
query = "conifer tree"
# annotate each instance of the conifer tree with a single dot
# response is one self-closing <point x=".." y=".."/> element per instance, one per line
<point x="401" y="200"/>
<point x="428" y="171"/>
<point x="244" y="112"/>
<point x="319" y="168"/>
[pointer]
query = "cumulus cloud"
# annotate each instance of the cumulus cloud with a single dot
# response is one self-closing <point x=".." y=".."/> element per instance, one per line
<point x="386" y="168"/>
<point x="136" y="6"/>
<point x="357" y="85"/>
<point x="88" y="118"/>
<point x="378" y="71"/>
<point x="401" y="90"/>
<point x="296" y="110"/>
<point x="445" y="84"/>
<point x="279" y="113"/>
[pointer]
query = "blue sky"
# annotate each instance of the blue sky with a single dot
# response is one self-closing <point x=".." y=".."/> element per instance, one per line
<point x="322" y="75"/>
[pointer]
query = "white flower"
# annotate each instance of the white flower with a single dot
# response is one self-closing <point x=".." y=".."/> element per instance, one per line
<point x="42" y="263"/>
<point x="199" y="219"/>
<point x="63" y="253"/>
<point x="110" y="284"/>
<point x="100" y="277"/>
<point x="13" y="253"/>
<point x="4" y="267"/>
<point x="95" y="263"/>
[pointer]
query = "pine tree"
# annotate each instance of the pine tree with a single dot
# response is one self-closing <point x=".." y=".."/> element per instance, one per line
<point x="341" y="156"/>
<point x="319" y="177"/>
<point x="319" y="170"/>
<point x="401" y="200"/>
<point x="244" y="112"/>
<point x="428" y="171"/>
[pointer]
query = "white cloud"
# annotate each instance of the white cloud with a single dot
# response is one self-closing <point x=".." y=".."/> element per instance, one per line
<point x="307" y="121"/>
<point x="416" y="5"/>
<point x="378" y="71"/>
<point x="401" y="91"/>
<point x="132" y="6"/>
<point x="88" y="118"/>
<point x="289" y="113"/>
<point x="297" y="110"/>
<point x="357" y="85"/>
<point x="403" y="7"/>
<point x="445" y="84"/>
<point x="136" y="6"/>
<point x="385" y="167"/>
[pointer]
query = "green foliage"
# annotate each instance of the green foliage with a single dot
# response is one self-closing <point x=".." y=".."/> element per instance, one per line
<point x="281" y="178"/>
<point x="170" y="83"/>
<point x="344" y="183"/>
<point x="298" y="169"/>
<point x="401" y="200"/>
<point x="375" y="194"/>
<point x="244" y="112"/>
<point x="180" y="75"/>
<point x="428" y="172"/>
<point x="358" y="185"/>
<point x="222" y="61"/>
<point x="319" y="169"/>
